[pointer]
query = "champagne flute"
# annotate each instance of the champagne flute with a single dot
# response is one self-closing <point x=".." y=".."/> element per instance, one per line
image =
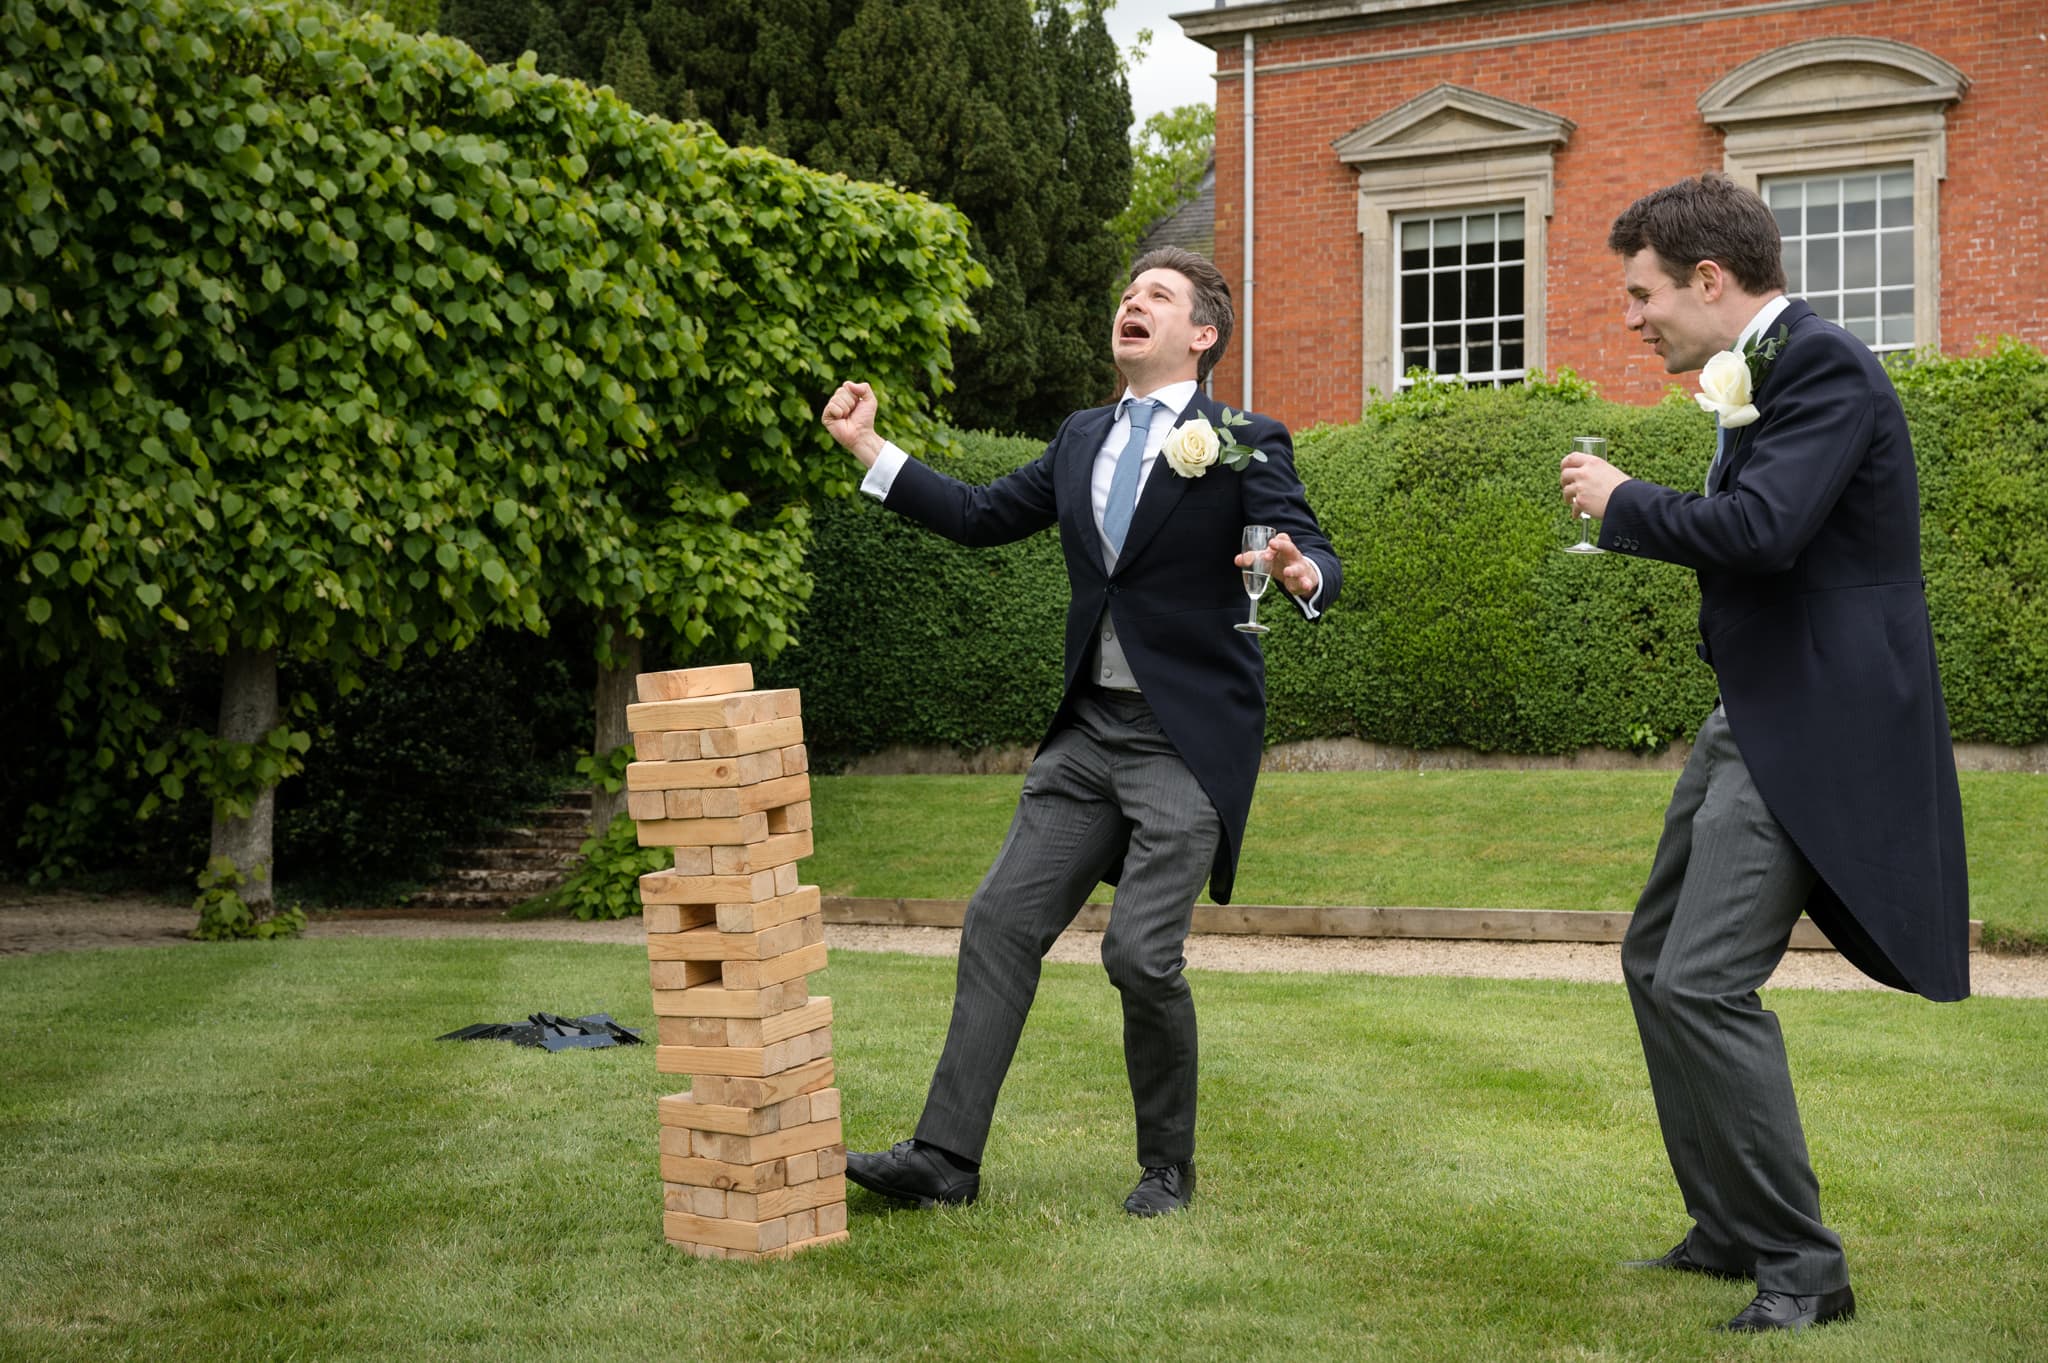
<point x="1254" y="541"/>
<point x="1597" y="447"/>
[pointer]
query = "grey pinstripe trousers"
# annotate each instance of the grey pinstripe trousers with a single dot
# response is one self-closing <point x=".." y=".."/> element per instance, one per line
<point x="1725" y="889"/>
<point x="1109" y="786"/>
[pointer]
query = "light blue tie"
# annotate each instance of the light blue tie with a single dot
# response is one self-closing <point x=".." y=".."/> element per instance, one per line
<point x="1720" y="446"/>
<point x="1123" y="484"/>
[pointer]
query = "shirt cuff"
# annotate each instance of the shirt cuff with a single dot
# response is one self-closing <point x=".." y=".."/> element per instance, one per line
<point x="882" y="473"/>
<point x="1309" y="609"/>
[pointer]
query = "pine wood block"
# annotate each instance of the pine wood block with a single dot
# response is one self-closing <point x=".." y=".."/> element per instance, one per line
<point x="790" y="1200"/>
<point x="713" y="1000"/>
<point x="716" y="1145"/>
<point x="739" y="856"/>
<point x="801" y="903"/>
<point x="660" y="918"/>
<point x="760" y="974"/>
<point x="802" y="1167"/>
<point x="733" y="1091"/>
<point x="709" y="1202"/>
<point x="776" y="734"/>
<point x="691" y="1172"/>
<point x="748" y="828"/>
<point x="682" y="804"/>
<point x="747" y="769"/>
<point x="795" y="758"/>
<point x="686" y="683"/>
<point x="824" y="1105"/>
<point x="732" y="801"/>
<point x="679" y="1030"/>
<point x="675" y="745"/>
<point x="682" y="1109"/>
<point x="831" y="1160"/>
<point x="645" y="804"/>
<point x="703" y="1251"/>
<point x="739" y="709"/>
<point x="692" y="861"/>
<point x="687" y="887"/>
<point x="754" y="1236"/>
<point x="745" y="1062"/>
<point x="796" y="1247"/>
<point x="669" y="979"/>
<point x="794" y="818"/>
<point x="709" y="944"/>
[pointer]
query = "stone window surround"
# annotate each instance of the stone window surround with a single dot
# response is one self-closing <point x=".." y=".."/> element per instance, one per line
<point x="1841" y="105"/>
<point x="1505" y="168"/>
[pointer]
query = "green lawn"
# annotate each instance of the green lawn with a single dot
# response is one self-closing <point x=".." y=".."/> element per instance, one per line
<point x="256" y="1151"/>
<point x="1463" y="839"/>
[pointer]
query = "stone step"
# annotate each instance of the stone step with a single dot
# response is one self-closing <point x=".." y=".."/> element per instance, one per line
<point x="552" y="857"/>
<point x="526" y="884"/>
<point x="481" y="900"/>
<point x="512" y="865"/>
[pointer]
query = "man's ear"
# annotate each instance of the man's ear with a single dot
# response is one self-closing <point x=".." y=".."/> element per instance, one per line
<point x="1711" y="280"/>
<point x="1204" y="338"/>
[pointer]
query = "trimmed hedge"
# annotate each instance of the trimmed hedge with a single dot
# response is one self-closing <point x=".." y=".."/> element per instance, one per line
<point x="1460" y="623"/>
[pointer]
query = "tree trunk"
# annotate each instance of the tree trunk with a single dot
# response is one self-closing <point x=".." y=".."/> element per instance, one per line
<point x="614" y="693"/>
<point x="248" y="711"/>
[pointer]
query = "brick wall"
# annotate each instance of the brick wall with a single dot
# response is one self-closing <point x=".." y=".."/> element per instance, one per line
<point x="1633" y="95"/>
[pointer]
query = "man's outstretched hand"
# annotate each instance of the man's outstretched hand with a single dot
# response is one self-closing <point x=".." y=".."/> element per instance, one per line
<point x="849" y="418"/>
<point x="1288" y="566"/>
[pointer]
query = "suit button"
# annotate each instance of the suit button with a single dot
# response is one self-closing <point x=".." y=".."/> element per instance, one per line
<point x="1114" y="589"/>
<point x="1107" y="634"/>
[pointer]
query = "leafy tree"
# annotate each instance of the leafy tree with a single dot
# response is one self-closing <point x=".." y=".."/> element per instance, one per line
<point x="1169" y="157"/>
<point x="329" y="343"/>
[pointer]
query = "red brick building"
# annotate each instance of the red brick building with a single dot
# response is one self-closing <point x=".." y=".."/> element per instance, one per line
<point x="1432" y="181"/>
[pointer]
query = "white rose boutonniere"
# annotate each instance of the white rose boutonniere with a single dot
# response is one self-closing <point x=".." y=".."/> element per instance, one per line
<point x="1724" y="389"/>
<point x="1196" y="445"/>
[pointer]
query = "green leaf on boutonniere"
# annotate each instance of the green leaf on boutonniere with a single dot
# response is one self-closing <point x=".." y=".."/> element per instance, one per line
<point x="1233" y="454"/>
<point x="1759" y="354"/>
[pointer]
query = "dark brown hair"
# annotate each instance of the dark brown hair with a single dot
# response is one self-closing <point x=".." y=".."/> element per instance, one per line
<point x="1709" y="218"/>
<point x="1212" y="296"/>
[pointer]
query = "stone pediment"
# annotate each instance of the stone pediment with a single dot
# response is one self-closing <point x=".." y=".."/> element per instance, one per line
<point x="1452" y="121"/>
<point x="1832" y="76"/>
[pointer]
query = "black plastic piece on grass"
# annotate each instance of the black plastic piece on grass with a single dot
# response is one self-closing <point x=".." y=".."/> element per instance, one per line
<point x="551" y="1031"/>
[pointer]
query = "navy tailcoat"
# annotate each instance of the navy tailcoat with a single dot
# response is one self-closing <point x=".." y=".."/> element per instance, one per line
<point x="1174" y="592"/>
<point x="1813" y="614"/>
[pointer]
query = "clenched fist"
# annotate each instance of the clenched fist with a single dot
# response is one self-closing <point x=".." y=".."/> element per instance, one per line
<point x="849" y="418"/>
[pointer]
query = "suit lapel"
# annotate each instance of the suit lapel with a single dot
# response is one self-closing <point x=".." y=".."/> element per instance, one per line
<point x="1163" y="487"/>
<point x="1077" y="472"/>
<point x="1738" y="448"/>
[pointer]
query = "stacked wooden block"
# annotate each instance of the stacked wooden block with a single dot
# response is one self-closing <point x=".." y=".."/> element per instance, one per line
<point x="752" y="1161"/>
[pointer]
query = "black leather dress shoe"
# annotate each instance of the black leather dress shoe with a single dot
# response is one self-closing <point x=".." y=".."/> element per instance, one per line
<point x="1164" y="1188"/>
<point x="911" y="1172"/>
<point x="1783" y="1311"/>
<point x="1680" y="1260"/>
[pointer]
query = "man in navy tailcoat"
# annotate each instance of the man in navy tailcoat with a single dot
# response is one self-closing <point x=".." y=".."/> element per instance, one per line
<point x="1824" y="780"/>
<point x="1145" y="774"/>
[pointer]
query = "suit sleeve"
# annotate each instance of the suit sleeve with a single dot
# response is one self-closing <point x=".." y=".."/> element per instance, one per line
<point x="1806" y="447"/>
<point x="1273" y="495"/>
<point x="1012" y="507"/>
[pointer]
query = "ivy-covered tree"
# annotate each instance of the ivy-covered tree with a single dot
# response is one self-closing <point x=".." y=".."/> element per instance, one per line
<point x="327" y="342"/>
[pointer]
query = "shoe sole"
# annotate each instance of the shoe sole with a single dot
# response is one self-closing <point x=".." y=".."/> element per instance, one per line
<point x="923" y="1201"/>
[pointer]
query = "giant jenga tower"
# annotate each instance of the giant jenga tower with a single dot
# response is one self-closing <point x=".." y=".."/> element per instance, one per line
<point x="752" y="1163"/>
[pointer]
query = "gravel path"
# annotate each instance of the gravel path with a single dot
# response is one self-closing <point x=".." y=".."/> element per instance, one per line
<point x="34" y="921"/>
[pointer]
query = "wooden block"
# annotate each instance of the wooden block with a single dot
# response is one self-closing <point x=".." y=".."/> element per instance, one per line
<point x="794" y="1247"/>
<point x="689" y="682"/>
<point x="677" y="917"/>
<point x="676" y="745"/>
<point x="671" y="979"/>
<point x="748" y="828"/>
<point x="740" y="1092"/>
<point x="824" y="1104"/>
<point x="728" y="802"/>
<point x="793" y="1112"/>
<point x="795" y="758"/>
<point x="692" y="861"/>
<point x="706" y="1173"/>
<point x="645" y="804"/>
<point x="682" y="1109"/>
<point x="814" y="1014"/>
<point x="740" y="709"/>
<point x="746" y="1062"/>
<point x="728" y="1149"/>
<point x="786" y="877"/>
<point x="680" y="804"/>
<point x="831" y="1160"/>
<point x="683" y="887"/>
<point x="832" y="1220"/>
<point x="699" y="1032"/>
<point x="802" y="1225"/>
<point x="774" y="970"/>
<point x="774" y="735"/>
<point x="712" y="1202"/>
<point x="802" y="1167"/>
<point x="713" y="1000"/>
<point x="748" y="769"/>
<point x="725" y="1233"/>
<point x="738" y="856"/>
<point x="709" y="944"/>
<point x="791" y="1200"/>
<point x="801" y="903"/>
<point x="706" y="1251"/>
<point x="790" y="818"/>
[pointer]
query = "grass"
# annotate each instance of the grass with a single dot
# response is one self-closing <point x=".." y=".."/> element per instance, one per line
<point x="1462" y="839"/>
<point x="250" y="1151"/>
